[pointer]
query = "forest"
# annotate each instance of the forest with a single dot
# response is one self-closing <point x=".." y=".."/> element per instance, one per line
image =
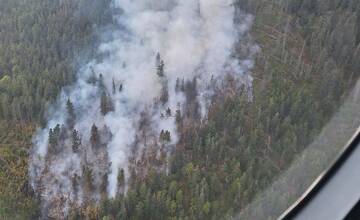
<point x="308" y="61"/>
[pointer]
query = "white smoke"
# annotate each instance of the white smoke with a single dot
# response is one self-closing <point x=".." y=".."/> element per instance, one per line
<point x="195" y="38"/>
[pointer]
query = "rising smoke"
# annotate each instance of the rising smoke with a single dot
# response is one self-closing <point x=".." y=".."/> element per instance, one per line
<point x="160" y="49"/>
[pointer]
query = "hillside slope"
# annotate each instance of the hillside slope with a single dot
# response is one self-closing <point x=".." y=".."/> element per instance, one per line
<point x="308" y="63"/>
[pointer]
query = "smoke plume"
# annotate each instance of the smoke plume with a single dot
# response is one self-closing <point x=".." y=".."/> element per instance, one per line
<point x="164" y="62"/>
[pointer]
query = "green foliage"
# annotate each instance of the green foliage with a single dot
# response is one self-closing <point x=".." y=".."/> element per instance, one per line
<point x="39" y="43"/>
<point x="16" y="196"/>
<point x="71" y="116"/>
<point x="219" y="166"/>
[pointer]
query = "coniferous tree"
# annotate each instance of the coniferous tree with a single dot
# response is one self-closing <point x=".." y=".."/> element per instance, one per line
<point x="165" y="136"/>
<point x="113" y="87"/>
<point x="106" y="104"/>
<point x="159" y="66"/>
<point x="101" y="83"/>
<point x="88" y="181"/>
<point x="75" y="181"/>
<point x="103" y="186"/>
<point x="168" y="112"/>
<point x="95" y="137"/>
<point x="54" y="137"/>
<point x="164" y="98"/>
<point x="178" y="117"/>
<point x="71" y="117"/>
<point x="177" y="85"/>
<point x="120" y="182"/>
<point x="76" y="141"/>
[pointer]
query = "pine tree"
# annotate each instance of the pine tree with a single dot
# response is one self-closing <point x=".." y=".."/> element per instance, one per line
<point x="178" y="117"/>
<point x="103" y="104"/>
<point x="75" y="183"/>
<point x="121" y="182"/>
<point x="113" y="87"/>
<point x="76" y="141"/>
<point x="168" y="112"/>
<point x="88" y="180"/>
<point x="103" y="186"/>
<point x="165" y="136"/>
<point x="71" y="117"/>
<point x="106" y="104"/>
<point x="101" y="83"/>
<point x="177" y="85"/>
<point x="159" y="66"/>
<point x="54" y="135"/>
<point x="95" y="137"/>
<point x="164" y="98"/>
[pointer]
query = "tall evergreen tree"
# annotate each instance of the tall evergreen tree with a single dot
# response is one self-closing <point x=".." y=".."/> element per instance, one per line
<point x="95" y="137"/>
<point x="71" y="117"/>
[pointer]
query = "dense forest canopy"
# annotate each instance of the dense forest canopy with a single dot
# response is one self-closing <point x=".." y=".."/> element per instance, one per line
<point x="307" y="62"/>
<point x="40" y="42"/>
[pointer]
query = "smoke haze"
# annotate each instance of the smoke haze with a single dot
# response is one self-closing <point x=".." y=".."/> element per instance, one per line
<point x="196" y="41"/>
